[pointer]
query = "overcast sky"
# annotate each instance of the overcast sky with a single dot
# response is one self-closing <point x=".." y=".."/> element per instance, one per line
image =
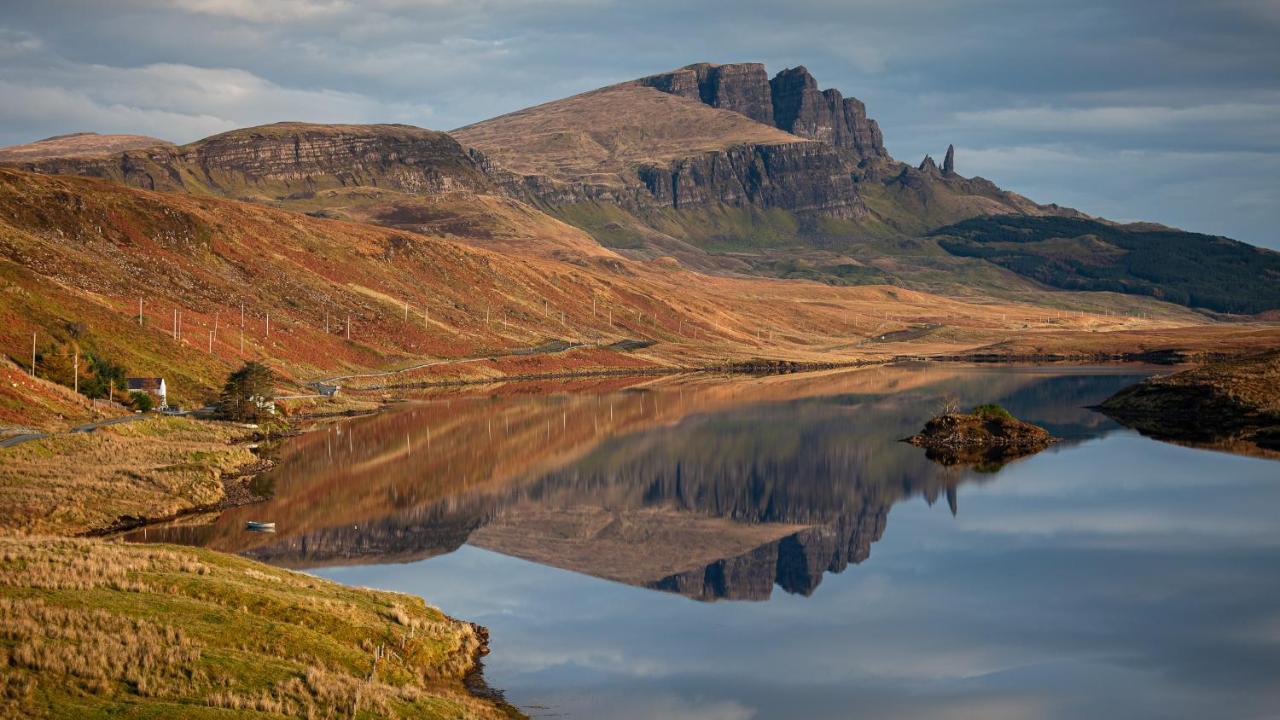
<point x="1163" y="110"/>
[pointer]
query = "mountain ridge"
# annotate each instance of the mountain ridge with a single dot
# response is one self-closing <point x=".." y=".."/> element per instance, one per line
<point x="719" y="168"/>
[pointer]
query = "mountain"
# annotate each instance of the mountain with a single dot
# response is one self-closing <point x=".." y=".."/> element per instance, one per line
<point x="288" y="160"/>
<point x="77" y="145"/>
<point x="1200" y="271"/>
<point x="647" y="150"/>
<point x="638" y="148"/>
<point x="718" y="168"/>
<point x="729" y="170"/>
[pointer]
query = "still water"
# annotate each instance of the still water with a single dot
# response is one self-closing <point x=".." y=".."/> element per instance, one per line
<point x="767" y="548"/>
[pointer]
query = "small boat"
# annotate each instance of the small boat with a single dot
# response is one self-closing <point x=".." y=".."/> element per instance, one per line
<point x="258" y="526"/>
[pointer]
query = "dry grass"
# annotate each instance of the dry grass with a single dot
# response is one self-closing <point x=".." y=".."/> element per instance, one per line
<point x="68" y="484"/>
<point x="93" y="629"/>
<point x="597" y="136"/>
<point x="77" y="145"/>
<point x="34" y="403"/>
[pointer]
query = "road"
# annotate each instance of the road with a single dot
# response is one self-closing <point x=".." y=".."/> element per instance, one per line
<point x="87" y="427"/>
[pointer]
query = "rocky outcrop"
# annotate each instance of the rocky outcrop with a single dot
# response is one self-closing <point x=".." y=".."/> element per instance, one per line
<point x="291" y="160"/>
<point x="949" y="162"/>
<point x="929" y="167"/>
<point x="824" y="115"/>
<point x="802" y="177"/>
<point x="791" y="101"/>
<point x="742" y="88"/>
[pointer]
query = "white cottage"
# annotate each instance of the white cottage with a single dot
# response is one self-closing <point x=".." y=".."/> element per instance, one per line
<point x="154" y="387"/>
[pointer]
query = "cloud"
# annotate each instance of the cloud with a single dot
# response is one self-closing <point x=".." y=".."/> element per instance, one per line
<point x="177" y="102"/>
<point x="1103" y="119"/>
<point x="266" y="10"/>
<point x="14" y="43"/>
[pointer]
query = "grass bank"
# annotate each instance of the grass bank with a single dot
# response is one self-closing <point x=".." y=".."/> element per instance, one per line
<point x="74" y="483"/>
<point x="90" y="629"/>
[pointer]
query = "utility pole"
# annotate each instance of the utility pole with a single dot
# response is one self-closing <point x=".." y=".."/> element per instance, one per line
<point x="33" y="353"/>
<point x="175" y="324"/>
<point x="76" y="363"/>
<point x="241" y="328"/>
<point x="268" y="325"/>
<point x="406" y="311"/>
<point x="139" y="311"/>
<point x="348" y="326"/>
<point x="210" y="342"/>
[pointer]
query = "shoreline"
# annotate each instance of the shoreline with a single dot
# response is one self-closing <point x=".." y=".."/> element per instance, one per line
<point x="237" y="486"/>
<point x="237" y="493"/>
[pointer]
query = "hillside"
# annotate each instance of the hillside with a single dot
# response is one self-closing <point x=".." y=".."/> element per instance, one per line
<point x="77" y="145"/>
<point x="1200" y="271"/>
<point x="101" y="630"/>
<point x="730" y="170"/>
<point x="77" y="255"/>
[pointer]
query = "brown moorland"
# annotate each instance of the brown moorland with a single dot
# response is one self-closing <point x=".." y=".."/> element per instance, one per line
<point x="77" y="256"/>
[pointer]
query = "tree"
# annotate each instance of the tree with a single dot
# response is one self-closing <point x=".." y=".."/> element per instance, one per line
<point x="249" y="393"/>
<point x="141" y="401"/>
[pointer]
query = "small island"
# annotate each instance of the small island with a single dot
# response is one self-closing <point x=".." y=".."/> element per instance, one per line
<point x="986" y="438"/>
<point x="1231" y="404"/>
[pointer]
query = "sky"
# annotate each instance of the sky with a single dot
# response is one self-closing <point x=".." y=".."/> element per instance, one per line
<point x="1159" y="110"/>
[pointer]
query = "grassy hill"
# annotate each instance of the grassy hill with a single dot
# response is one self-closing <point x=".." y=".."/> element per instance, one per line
<point x="98" y="630"/>
<point x="78" y="145"/>
<point x="603" y="135"/>
<point x="1201" y="271"/>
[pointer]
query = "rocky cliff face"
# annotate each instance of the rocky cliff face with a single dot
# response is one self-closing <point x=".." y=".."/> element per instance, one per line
<point x="742" y="88"/>
<point x="802" y="177"/>
<point x="791" y="101"/>
<point x="292" y="160"/>
<point x="800" y="108"/>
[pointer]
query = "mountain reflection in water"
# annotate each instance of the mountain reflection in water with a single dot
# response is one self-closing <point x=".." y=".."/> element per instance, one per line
<point x="711" y="488"/>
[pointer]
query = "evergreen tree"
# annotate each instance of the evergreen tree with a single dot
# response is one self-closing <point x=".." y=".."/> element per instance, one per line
<point x="249" y="393"/>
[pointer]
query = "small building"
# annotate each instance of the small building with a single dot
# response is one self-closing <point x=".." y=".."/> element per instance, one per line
<point x="264" y="404"/>
<point x="325" y="389"/>
<point x="154" y="387"/>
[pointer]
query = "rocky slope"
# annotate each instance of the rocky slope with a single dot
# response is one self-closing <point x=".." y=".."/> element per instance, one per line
<point x="289" y="161"/>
